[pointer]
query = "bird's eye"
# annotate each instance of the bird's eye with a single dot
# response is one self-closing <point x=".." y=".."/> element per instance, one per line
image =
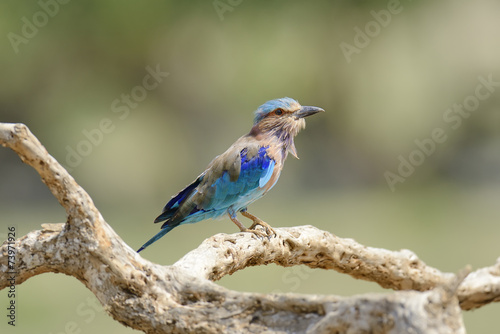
<point x="278" y="112"/>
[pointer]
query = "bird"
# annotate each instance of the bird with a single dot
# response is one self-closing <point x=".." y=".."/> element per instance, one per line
<point x="245" y="172"/>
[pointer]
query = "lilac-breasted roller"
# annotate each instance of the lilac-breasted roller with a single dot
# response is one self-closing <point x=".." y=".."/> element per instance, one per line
<point x="242" y="174"/>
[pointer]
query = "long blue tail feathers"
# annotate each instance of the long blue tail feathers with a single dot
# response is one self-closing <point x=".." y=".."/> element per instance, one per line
<point x="157" y="236"/>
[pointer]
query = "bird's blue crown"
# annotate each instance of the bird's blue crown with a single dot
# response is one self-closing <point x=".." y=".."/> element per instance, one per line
<point x="285" y="103"/>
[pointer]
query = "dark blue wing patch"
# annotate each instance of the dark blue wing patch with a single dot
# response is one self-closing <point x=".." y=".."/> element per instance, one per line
<point x="255" y="172"/>
<point x="172" y="205"/>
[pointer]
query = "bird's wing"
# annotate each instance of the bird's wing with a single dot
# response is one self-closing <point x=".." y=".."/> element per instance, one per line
<point x="255" y="168"/>
<point x="175" y="210"/>
<point x="242" y="172"/>
<point x="172" y="206"/>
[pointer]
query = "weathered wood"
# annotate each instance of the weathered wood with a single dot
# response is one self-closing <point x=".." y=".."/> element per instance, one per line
<point x="183" y="298"/>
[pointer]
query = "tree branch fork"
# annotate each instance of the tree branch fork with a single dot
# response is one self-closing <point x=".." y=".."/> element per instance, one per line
<point x="183" y="298"/>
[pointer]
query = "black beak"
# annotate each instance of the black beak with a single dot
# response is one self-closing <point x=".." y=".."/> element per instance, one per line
<point x="307" y="111"/>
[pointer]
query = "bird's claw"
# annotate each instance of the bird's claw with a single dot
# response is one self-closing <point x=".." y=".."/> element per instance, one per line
<point x="269" y="230"/>
<point x="258" y="233"/>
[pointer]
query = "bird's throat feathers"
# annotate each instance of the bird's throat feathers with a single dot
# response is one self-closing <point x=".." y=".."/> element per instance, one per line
<point x="281" y="131"/>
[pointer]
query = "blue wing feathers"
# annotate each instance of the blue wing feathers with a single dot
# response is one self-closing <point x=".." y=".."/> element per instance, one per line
<point x="255" y="172"/>
<point x="172" y="205"/>
<point x="267" y="176"/>
<point x="223" y="194"/>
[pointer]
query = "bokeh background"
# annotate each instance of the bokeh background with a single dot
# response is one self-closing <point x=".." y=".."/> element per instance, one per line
<point x="225" y="58"/>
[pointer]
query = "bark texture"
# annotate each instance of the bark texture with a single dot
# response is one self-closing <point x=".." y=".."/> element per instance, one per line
<point x="183" y="298"/>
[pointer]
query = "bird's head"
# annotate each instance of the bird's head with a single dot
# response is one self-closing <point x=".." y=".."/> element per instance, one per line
<point x="283" y="118"/>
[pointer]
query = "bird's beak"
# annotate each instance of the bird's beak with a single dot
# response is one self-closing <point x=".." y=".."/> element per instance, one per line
<point x="305" y="111"/>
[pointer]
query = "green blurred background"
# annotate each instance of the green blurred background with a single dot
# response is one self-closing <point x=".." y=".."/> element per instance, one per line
<point x="223" y="63"/>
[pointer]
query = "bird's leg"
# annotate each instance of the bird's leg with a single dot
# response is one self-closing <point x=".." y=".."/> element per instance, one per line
<point x="257" y="221"/>
<point x="243" y="228"/>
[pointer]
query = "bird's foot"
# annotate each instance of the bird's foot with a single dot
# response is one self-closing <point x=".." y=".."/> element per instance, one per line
<point x="259" y="233"/>
<point x="257" y="221"/>
<point x="269" y="230"/>
<point x="242" y="228"/>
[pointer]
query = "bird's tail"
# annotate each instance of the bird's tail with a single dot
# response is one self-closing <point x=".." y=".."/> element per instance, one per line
<point x="157" y="236"/>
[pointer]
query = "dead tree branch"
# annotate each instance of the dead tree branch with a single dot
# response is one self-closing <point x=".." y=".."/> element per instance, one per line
<point x="182" y="298"/>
